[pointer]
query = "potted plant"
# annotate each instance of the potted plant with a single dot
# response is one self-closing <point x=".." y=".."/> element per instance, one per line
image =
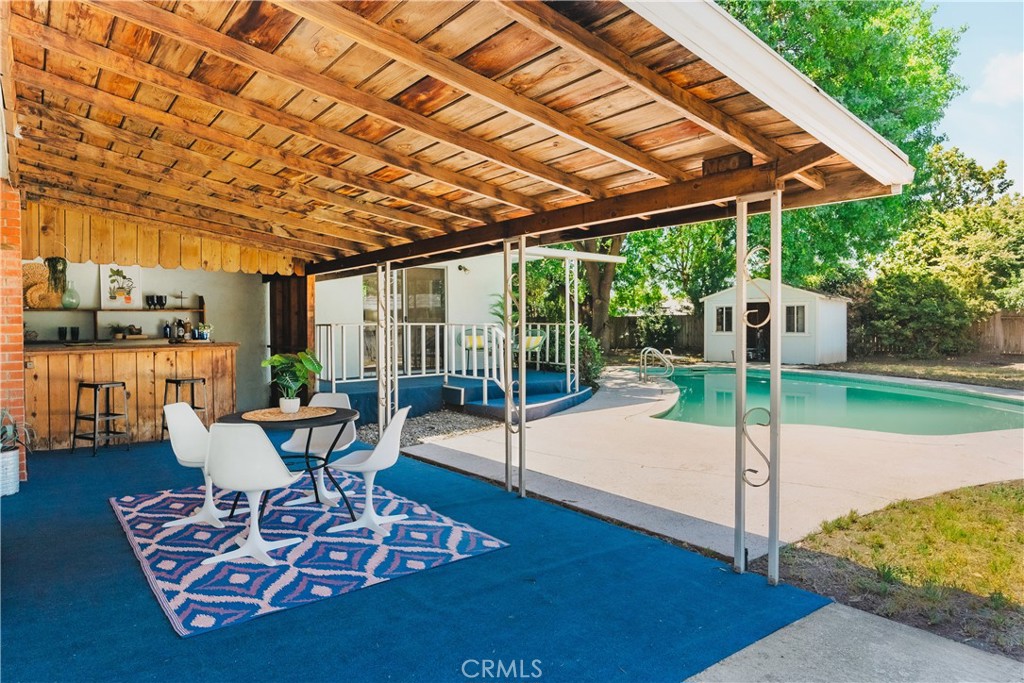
<point x="290" y="372"/>
<point x="12" y="435"/>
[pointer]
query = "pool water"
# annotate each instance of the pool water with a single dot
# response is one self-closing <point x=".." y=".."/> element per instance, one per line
<point x="707" y="397"/>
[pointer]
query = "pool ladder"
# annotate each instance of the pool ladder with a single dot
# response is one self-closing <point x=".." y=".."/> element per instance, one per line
<point x="666" y="369"/>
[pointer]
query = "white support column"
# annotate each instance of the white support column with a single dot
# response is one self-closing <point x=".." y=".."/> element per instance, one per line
<point x="568" y="322"/>
<point x="775" y="387"/>
<point x="575" y="274"/>
<point x="393" y="339"/>
<point x="507" y="355"/>
<point x="383" y="294"/>
<point x="739" y="557"/>
<point x="522" y="367"/>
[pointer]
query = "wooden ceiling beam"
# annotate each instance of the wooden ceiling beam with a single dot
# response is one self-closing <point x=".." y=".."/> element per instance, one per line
<point x="125" y="171"/>
<point x="795" y="165"/>
<point x="212" y="41"/>
<point x="410" y="53"/>
<point x="157" y="117"/>
<point x="203" y="159"/>
<point x="841" y="187"/>
<point x="137" y="211"/>
<point x="548" y="22"/>
<point x="721" y="187"/>
<point x="8" y="90"/>
<point x="352" y="227"/>
<point x="78" y="48"/>
<point x="61" y="172"/>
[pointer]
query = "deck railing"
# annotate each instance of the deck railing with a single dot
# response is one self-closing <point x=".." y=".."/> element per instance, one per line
<point x="348" y="351"/>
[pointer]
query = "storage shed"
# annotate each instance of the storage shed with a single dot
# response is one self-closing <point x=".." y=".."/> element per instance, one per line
<point x="814" y="332"/>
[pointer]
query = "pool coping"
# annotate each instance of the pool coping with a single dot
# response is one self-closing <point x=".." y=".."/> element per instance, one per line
<point x="1014" y="395"/>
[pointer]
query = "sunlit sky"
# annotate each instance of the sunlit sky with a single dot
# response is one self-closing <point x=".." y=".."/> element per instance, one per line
<point x="987" y="121"/>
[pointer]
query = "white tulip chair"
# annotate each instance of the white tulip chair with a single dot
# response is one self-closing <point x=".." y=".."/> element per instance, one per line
<point x="242" y="458"/>
<point x="319" y="443"/>
<point x="190" y="441"/>
<point x="368" y="463"/>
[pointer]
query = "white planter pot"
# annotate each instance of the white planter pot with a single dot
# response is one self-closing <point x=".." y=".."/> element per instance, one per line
<point x="10" y="475"/>
<point x="289" y="405"/>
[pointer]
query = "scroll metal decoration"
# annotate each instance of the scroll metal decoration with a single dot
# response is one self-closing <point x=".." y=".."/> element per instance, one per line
<point x="764" y="422"/>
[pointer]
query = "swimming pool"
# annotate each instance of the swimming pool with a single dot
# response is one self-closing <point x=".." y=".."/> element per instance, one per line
<point x="706" y="396"/>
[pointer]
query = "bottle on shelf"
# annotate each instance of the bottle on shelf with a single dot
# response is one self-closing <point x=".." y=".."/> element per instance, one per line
<point x="167" y="330"/>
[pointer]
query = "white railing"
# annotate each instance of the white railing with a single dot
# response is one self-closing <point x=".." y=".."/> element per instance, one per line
<point x="348" y="351"/>
<point x="646" y="371"/>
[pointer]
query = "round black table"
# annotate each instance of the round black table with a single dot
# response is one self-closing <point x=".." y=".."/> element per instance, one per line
<point x="314" y="461"/>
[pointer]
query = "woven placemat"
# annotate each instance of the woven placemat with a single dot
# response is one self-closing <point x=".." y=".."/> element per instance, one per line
<point x="275" y="414"/>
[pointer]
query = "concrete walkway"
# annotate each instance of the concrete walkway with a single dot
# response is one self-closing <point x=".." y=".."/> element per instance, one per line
<point x="839" y="643"/>
<point x="612" y="444"/>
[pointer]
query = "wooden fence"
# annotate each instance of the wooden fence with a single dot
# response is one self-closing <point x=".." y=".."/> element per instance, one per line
<point x="1002" y="333"/>
<point x="688" y="335"/>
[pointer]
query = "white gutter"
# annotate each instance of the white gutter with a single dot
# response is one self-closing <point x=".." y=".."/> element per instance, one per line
<point x="716" y="37"/>
<point x="534" y="253"/>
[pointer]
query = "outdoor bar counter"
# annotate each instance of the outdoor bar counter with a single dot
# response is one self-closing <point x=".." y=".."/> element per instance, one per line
<point x="53" y="370"/>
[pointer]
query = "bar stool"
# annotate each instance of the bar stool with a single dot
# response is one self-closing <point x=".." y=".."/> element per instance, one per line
<point x="178" y="383"/>
<point x="102" y="421"/>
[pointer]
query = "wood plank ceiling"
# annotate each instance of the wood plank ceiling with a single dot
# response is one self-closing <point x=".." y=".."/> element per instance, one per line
<point x="340" y="133"/>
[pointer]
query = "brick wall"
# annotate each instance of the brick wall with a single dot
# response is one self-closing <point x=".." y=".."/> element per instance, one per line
<point x="12" y="339"/>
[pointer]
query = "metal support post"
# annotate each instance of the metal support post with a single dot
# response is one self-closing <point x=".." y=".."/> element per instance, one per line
<point x="740" y="327"/>
<point x="522" y="367"/>
<point x="567" y="342"/>
<point x="775" y="387"/>
<point x="507" y="355"/>
<point x="383" y="385"/>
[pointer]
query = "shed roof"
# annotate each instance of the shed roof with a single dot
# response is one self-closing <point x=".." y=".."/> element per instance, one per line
<point x="763" y="284"/>
<point x="355" y="132"/>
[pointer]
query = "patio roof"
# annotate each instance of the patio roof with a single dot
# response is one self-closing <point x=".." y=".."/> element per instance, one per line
<point x="355" y="133"/>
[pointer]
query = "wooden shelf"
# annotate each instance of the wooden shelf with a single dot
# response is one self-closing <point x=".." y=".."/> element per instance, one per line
<point x="114" y="310"/>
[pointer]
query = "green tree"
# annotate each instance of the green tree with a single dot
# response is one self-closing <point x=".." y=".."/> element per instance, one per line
<point x="689" y="261"/>
<point x="977" y="250"/>
<point x="890" y="66"/>
<point x="953" y="179"/>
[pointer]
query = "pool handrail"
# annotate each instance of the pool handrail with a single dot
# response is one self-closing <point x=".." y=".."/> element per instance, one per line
<point x="666" y="370"/>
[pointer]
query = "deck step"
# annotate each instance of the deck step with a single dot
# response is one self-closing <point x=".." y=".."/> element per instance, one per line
<point x="537" y="405"/>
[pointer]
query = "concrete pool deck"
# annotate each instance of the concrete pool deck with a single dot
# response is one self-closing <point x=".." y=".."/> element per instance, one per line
<point x="609" y="452"/>
<point x="609" y="457"/>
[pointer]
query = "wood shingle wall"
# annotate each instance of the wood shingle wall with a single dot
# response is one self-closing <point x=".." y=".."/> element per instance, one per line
<point x="82" y="236"/>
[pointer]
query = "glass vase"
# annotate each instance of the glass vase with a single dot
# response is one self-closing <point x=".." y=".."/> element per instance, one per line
<point x="71" y="299"/>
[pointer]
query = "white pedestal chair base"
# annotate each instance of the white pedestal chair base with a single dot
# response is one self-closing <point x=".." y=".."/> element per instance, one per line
<point x="369" y="519"/>
<point x="254" y="546"/>
<point x="207" y="514"/>
<point x="327" y="498"/>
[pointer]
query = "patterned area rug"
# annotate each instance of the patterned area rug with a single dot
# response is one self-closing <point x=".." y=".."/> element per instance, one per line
<point x="199" y="598"/>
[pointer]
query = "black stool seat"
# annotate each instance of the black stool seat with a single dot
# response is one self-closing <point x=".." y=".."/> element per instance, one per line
<point x="179" y="383"/>
<point x="103" y="427"/>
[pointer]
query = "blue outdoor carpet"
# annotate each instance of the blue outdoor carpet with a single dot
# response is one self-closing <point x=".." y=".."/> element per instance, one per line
<point x="199" y="598"/>
<point x="573" y="597"/>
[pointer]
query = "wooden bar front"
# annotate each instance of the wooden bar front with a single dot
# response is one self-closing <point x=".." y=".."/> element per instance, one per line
<point x="52" y="374"/>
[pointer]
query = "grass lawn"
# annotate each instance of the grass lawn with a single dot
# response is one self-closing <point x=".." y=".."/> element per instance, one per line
<point x="952" y="564"/>
<point x="986" y="370"/>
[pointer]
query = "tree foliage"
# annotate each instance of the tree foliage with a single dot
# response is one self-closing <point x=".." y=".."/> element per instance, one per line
<point x="917" y="314"/>
<point x="956" y="180"/>
<point x="891" y="67"/>
<point x="977" y="250"/>
<point x="687" y="261"/>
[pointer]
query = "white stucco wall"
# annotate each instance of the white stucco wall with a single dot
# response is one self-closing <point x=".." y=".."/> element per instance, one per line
<point x="470" y="285"/>
<point x="823" y="342"/>
<point x="236" y="306"/>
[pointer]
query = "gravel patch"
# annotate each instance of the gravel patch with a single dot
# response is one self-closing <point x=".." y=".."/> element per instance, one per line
<point x="436" y="425"/>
